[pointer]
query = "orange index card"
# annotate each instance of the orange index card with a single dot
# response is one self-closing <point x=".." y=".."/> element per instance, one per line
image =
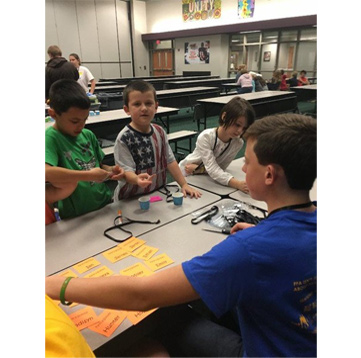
<point x="100" y="272"/>
<point x="108" y="321"/>
<point x="136" y="270"/>
<point x="68" y="273"/>
<point x="86" y="265"/>
<point x="159" y="262"/>
<point x="145" y="252"/>
<point x="132" y="244"/>
<point x="115" y="254"/>
<point x="84" y="317"/>
<point x="136" y="316"/>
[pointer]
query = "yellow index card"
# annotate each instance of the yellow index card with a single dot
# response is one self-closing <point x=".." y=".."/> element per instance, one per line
<point x="145" y="252"/>
<point x="84" y="317"/>
<point x="68" y="273"/>
<point x="136" y="270"/>
<point x="115" y="254"/>
<point x="132" y="244"/>
<point x="108" y="321"/>
<point x="159" y="262"/>
<point x="100" y="272"/>
<point x="86" y="265"/>
<point x="136" y="316"/>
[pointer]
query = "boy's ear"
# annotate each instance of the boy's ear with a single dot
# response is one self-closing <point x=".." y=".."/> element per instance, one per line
<point x="273" y="172"/>
<point x="156" y="105"/>
<point x="270" y="174"/>
<point x="52" y="113"/>
<point x="126" y="109"/>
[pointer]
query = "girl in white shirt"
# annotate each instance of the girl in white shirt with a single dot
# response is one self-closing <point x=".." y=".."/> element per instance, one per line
<point x="85" y="76"/>
<point x="217" y="147"/>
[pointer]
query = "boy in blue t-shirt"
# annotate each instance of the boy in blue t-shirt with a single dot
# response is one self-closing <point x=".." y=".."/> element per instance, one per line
<point x="265" y="274"/>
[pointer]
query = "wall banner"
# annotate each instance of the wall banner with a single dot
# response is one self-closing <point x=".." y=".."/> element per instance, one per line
<point x="201" y="9"/>
<point x="245" y="8"/>
<point x="196" y="52"/>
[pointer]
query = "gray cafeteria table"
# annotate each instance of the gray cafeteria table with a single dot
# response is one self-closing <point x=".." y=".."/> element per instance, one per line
<point x="180" y="240"/>
<point x="264" y="103"/>
<point x="72" y="240"/>
<point x="205" y="182"/>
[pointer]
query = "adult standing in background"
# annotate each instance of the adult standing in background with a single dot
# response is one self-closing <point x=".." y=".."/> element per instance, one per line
<point x="85" y="76"/>
<point x="58" y="68"/>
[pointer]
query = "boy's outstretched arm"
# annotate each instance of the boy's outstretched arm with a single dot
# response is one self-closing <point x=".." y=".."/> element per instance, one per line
<point x="165" y="288"/>
<point x="176" y="173"/>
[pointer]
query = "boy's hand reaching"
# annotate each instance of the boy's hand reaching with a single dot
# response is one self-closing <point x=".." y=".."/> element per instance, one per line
<point x="144" y="179"/>
<point x="117" y="173"/>
<point x="240" y="226"/>
<point x="98" y="174"/>
<point x="243" y="187"/>
<point x="186" y="189"/>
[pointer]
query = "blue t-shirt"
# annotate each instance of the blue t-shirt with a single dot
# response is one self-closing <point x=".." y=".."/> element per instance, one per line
<point x="268" y="275"/>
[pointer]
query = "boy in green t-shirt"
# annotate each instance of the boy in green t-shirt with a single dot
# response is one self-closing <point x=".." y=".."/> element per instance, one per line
<point x="73" y="154"/>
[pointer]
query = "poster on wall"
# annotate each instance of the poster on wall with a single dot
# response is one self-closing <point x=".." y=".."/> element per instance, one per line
<point x="201" y="9"/>
<point x="245" y="8"/>
<point x="196" y="52"/>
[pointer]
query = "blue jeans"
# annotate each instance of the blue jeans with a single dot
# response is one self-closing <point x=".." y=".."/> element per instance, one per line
<point x="186" y="333"/>
<point x="245" y="90"/>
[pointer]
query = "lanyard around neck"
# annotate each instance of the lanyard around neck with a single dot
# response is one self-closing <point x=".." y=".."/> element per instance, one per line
<point x="215" y="144"/>
<point x="291" y="207"/>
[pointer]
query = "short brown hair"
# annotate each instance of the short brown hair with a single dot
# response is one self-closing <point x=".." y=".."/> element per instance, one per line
<point x="235" y="108"/>
<point x="289" y="140"/>
<point x="138" y="85"/>
<point x="54" y="51"/>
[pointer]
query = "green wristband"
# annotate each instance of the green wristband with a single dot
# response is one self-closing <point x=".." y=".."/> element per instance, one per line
<point x="62" y="292"/>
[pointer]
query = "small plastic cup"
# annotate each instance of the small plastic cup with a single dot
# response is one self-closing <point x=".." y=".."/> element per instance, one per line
<point x="177" y="198"/>
<point x="144" y="202"/>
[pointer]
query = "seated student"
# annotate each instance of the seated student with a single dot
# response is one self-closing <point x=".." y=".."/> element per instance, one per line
<point x="71" y="146"/>
<point x="293" y="81"/>
<point x="303" y="80"/>
<point x="267" y="273"/>
<point x="142" y="148"/>
<point x="246" y="82"/>
<point x="275" y="83"/>
<point x="217" y="147"/>
<point x="283" y="85"/>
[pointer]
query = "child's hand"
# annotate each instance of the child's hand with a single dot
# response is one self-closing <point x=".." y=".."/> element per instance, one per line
<point x="144" y="179"/>
<point x="243" y="187"/>
<point x="117" y="173"/>
<point x="98" y="174"/>
<point x="240" y="226"/>
<point x="186" y="189"/>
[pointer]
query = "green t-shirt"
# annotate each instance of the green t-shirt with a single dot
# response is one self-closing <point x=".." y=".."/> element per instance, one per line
<point x="78" y="153"/>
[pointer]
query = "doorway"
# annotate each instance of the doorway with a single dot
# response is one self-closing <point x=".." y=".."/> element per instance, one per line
<point x="162" y="63"/>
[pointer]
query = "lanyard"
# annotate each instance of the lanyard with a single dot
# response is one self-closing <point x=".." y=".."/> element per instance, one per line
<point x="167" y="192"/>
<point x="120" y="227"/>
<point x="215" y="143"/>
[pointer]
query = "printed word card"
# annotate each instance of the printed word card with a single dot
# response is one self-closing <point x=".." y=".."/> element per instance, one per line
<point x="145" y="252"/>
<point x="132" y="244"/>
<point x="116" y="254"/>
<point x="108" y="321"/>
<point x="100" y="272"/>
<point x="86" y="265"/>
<point x="84" y="317"/>
<point x="159" y="262"/>
<point x="136" y="270"/>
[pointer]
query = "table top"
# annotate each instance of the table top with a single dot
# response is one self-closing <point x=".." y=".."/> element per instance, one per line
<point x="253" y="96"/>
<point x="306" y="87"/>
<point x="72" y="240"/>
<point x="185" y="91"/>
<point x="205" y="182"/>
<point x="179" y="239"/>
<point x="118" y="114"/>
<point x="202" y="80"/>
